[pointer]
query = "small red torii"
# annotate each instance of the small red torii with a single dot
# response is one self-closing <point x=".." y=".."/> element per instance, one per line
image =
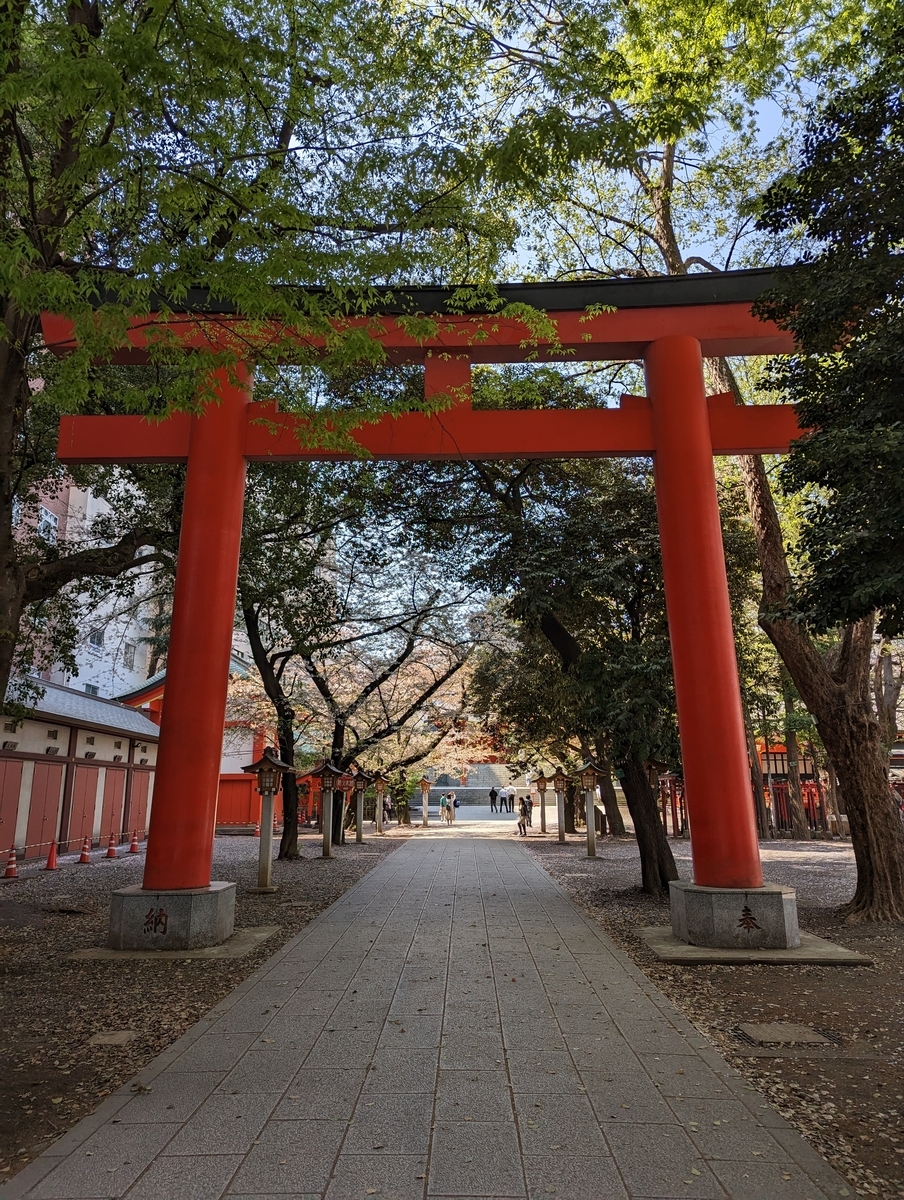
<point x="668" y="328"/>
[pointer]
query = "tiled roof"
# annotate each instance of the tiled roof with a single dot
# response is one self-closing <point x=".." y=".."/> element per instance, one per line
<point x="149" y="683"/>
<point x="78" y="708"/>
<point x="236" y="667"/>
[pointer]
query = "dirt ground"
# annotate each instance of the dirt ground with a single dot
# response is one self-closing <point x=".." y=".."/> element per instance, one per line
<point x="50" y="1005"/>
<point x="847" y="1098"/>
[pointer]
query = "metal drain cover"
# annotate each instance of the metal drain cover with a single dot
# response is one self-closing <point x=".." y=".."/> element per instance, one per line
<point x="782" y="1033"/>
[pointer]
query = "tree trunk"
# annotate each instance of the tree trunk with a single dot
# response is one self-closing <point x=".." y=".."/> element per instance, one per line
<point x="877" y="832"/>
<point x="15" y="395"/>
<point x="886" y="693"/>
<point x="570" y="794"/>
<point x="614" y="819"/>
<point x="799" y="826"/>
<point x="833" y="793"/>
<point x="836" y="693"/>
<point x="337" y="749"/>
<point x="764" y="829"/>
<point x="288" y="843"/>
<point x="657" y="865"/>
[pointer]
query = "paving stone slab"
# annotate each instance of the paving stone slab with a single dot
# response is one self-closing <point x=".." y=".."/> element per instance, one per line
<point x="290" y="1157"/>
<point x="573" y="1178"/>
<point x="107" y="1164"/>
<point x="393" y="1177"/>
<point x="205" y="1177"/>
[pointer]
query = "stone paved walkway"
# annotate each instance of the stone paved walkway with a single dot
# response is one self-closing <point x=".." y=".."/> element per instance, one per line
<point x="452" y="1027"/>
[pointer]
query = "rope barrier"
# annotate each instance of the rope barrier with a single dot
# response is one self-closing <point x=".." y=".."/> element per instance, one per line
<point x="52" y="847"/>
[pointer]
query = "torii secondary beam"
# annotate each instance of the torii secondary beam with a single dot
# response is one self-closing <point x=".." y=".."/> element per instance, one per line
<point x="459" y="433"/>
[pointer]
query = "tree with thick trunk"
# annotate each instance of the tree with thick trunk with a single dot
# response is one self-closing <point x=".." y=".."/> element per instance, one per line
<point x="155" y="151"/>
<point x="657" y="864"/>
<point x="835" y="688"/>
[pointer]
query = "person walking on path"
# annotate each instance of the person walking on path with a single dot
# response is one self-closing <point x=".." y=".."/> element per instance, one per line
<point x="444" y="807"/>
<point x="503" y="800"/>
<point x="453" y="804"/>
<point x="529" y="802"/>
<point x="493" y="795"/>
<point x="522" y="818"/>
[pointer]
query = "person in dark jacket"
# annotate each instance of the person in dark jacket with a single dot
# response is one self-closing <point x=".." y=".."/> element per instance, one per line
<point x="522" y="817"/>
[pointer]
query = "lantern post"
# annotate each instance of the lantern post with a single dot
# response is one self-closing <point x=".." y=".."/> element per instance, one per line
<point x="542" y="784"/>
<point x="588" y="774"/>
<point x="558" y="782"/>
<point x="362" y="779"/>
<point x="380" y="782"/>
<point x="424" y="785"/>
<point x="269" y="770"/>
<point x="328" y="776"/>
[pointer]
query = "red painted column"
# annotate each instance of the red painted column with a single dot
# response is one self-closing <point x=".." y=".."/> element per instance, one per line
<point x="180" y="840"/>
<point x="713" y="742"/>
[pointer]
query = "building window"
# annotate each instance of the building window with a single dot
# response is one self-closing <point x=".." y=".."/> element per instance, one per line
<point x="48" y="524"/>
<point x="96" y="639"/>
<point x="92" y="689"/>
<point x="128" y="657"/>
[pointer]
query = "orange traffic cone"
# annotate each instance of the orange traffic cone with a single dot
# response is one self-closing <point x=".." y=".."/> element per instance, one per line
<point x="52" y="858"/>
<point x="85" y="856"/>
<point x="257" y="829"/>
<point x="11" y="871"/>
<point x="111" y="847"/>
<point x="133" y="845"/>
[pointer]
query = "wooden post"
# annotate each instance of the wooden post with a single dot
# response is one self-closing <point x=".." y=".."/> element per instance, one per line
<point x="590" y="817"/>
<point x="326" y="818"/>
<point x="265" y="851"/>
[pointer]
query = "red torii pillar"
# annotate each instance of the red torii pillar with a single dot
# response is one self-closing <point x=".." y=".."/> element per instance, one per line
<point x="724" y="840"/>
<point x="676" y="423"/>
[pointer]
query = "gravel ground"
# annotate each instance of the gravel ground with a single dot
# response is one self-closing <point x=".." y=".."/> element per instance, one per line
<point x="50" y="1006"/>
<point x="847" y="1099"/>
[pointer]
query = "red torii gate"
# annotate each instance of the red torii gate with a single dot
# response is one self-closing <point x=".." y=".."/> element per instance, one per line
<point x="671" y="325"/>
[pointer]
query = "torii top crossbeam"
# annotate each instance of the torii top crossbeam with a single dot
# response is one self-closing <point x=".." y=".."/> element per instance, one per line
<point x="714" y="310"/>
<point x="670" y="324"/>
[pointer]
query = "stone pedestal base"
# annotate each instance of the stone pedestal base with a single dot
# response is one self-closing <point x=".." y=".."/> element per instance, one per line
<point x="186" y="919"/>
<point x="733" y="918"/>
